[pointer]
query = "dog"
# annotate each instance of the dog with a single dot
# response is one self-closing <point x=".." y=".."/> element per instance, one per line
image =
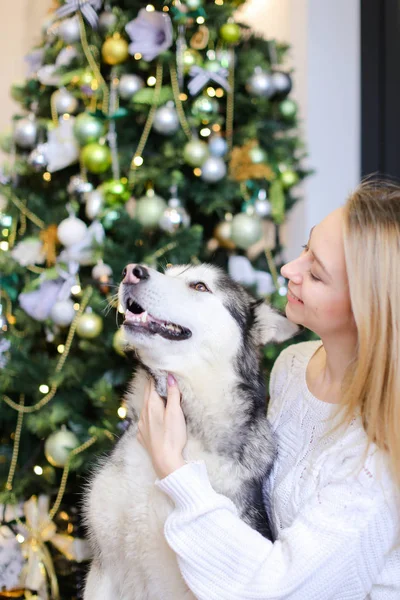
<point x="207" y="330"/>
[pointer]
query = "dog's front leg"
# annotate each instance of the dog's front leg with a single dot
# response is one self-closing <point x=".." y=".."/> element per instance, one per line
<point x="99" y="585"/>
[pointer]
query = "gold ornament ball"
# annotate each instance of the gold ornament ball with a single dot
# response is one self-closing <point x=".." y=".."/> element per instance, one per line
<point x="58" y="447"/>
<point x="222" y="234"/>
<point x="89" y="326"/>
<point x="120" y="343"/>
<point x="115" y="50"/>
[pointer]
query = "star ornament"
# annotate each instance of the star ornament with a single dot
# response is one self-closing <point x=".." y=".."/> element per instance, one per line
<point x="151" y="34"/>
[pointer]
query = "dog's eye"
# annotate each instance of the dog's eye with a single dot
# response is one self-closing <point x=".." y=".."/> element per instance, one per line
<point x="199" y="286"/>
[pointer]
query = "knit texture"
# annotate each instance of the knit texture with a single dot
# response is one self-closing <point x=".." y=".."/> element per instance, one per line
<point x="330" y="499"/>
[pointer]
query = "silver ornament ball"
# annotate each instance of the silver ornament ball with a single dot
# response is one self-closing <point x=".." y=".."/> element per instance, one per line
<point x="101" y="270"/>
<point x="68" y="30"/>
<point x="213" y="169"/>
<point x="25" y="132"/>
<point x="64" y="101"/>
<point x="217" y="145"/>
<point x="282" y="83"/>
<point x="129" y="84"/>
<point x="107" y="20"/>
<point x="78" y="186"/>
<point x="246" y="230"/>
<point x="166" y="120"/>
<point x="37" y="160"/>
<point x="262" y="207"/>
<point x="261" y="84"/>
<point x="149" y="210"/>
<point x="175" y="217"/>
<point x="63" y="313"/>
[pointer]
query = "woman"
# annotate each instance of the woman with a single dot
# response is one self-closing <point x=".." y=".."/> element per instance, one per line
<point x="333" y="495"/>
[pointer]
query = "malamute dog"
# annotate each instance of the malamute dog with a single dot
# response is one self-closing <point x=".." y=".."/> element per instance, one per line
<point x="205" y="329"/>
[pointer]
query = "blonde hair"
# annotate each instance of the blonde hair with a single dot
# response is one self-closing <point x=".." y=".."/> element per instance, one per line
<point x="372" y="251"/>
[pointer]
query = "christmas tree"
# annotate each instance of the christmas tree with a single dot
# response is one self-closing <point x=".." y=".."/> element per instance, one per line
<point x="157" y="134"/>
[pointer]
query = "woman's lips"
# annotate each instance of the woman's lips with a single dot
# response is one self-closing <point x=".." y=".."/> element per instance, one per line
<point x="293" y="298"/>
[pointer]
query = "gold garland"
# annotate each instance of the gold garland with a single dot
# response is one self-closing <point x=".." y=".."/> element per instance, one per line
<point x="54" y="387"/>
<point x="148" y="124"/>
<point x="230" y="104"/>
<point x="93" y="64"/>
<point x="17" y="438"/>
<point x="178" y="103"/>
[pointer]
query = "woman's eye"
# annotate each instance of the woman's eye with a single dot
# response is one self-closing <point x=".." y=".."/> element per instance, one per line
<point x="305" y="248"/>
<point x="199" y="287"/>
<point x="314" y="277"/>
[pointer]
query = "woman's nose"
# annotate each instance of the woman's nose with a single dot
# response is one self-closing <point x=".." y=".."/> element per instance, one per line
<point x="292" y="271"/>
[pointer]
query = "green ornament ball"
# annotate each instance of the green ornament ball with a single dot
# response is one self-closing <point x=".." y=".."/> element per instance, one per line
<point x="288" y="108"/>
<point x="212" y="65"/>
<point x="87" y="129"/>
<point x="59" y="446"/>
<point x="190" y="59"/>
<point x="89" y="326"/>
<point x="205" y="107"/>
<point x="149" y="210"/>
<point x="258" y="155"/>
<point x="289" y="178"/>
<point x="96" y="158"/>
<point x="195" y="153"/>
<point x="230" y="33"/>
<point x="246" y="230"/>
<point x="116" y="191"/>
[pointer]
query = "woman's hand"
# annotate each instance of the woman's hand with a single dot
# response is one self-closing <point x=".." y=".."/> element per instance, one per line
<point x="162" y="430"/>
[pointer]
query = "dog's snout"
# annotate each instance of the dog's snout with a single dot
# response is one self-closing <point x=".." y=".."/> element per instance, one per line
<point x="135" y="273"/>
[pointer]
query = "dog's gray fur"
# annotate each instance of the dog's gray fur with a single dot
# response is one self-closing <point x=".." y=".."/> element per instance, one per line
<point x="223" y="399"/>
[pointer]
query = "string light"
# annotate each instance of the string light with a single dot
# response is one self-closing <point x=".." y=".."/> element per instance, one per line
<point x="4" y="246"/>
<point x="150" y="8"/>
<point x="151" y="80"/>
<point x="205" y="132"/>
<point x="216" y="127"/>
<point x="76" y="289"/>
<point x="138" y="161"/>
<point x="44" y="388"/>
<point x="47" y="176"/>
<point x="76" y="306"/>
<point x="66" y="116"/>
<point x="38" y="470"/>
<point x="20" y="538"/>
<point x="183" y="97"/>
<point x="137" y="56"/>
<point x="211" y="92"/>
<point x="219" y="92"/>
<point x="197" y="171"/>
<point x="60" y="348"/>
<point x="200" y="20"/>
<point x="165" y="8"/>
<point x="121" y="412"/>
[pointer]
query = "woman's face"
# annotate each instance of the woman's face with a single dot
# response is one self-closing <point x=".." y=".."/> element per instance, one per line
<point x="318" y="294"/>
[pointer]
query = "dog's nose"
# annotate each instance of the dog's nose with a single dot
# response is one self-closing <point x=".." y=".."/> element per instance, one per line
<point x="134" y="273"/>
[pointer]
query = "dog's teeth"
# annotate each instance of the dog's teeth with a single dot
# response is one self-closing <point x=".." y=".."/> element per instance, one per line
<point x="143" y="317"/>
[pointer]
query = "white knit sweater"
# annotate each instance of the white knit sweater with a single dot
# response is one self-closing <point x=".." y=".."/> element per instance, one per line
<point x="333" y="511"/>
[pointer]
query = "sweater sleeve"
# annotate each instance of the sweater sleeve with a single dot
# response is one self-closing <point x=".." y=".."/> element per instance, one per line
<point x="222" y="558"/>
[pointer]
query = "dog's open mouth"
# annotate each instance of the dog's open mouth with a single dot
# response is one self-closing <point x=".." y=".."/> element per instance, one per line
<point x="138" y="318"/>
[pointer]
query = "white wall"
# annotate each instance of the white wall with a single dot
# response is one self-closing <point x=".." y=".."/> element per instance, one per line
<point x="326" y="57"/>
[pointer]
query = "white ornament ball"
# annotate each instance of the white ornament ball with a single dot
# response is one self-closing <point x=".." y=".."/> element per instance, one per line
<point x="129" y="84"/>
<point x="64" y="101"/>
<point x="166" y="120"/>
<point x="63" y="313"/>
<point x="261" y="84"/>
<point x="217" y="146"/>
<point x="246" y="230"/>
<point x="68" y="30"/>
<point x="71" y="231"/>
<point x="94" y="204"/>
<point x="149" y="210"/>
<point x="59" y="446"/>
<point x="101" y="270"/>
<point x="213" y="169"/>
<point x="25" y="132"/>
<point x="195" y="152"/>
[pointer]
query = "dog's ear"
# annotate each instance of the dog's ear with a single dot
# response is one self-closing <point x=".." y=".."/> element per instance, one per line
<point x="271" y="326"/>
